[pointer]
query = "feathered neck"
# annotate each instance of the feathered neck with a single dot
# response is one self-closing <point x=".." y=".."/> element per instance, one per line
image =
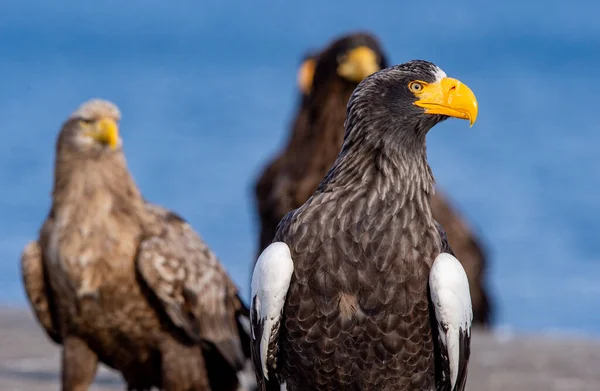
<point x="89" y="181"/>
<point x="383" y="164"/>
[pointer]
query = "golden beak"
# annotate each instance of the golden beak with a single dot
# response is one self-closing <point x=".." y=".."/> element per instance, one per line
<point x="305" y="75"/>
<point x="106" y="132"/>
<point x="358" y="64"/>
<point x="449" y="97"/>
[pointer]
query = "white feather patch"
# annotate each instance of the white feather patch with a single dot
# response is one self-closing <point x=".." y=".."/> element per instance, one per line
<point x="270" y="283"/>
<point x="439" y="74"/>
<point x="449" y="289"/>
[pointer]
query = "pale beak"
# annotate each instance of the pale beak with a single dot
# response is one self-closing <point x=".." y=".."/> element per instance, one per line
<point x="106" y="132"/>
<point x="449" y="97"/>
<point x="358" y="64"/>
<point x="305" y="76"/>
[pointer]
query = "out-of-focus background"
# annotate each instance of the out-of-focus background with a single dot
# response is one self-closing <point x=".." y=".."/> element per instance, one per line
<point x="208" y="89"/>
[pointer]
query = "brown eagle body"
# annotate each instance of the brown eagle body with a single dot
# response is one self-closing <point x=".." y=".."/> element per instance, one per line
<point x="294" y="175"/>
<point x="118" y="280"/>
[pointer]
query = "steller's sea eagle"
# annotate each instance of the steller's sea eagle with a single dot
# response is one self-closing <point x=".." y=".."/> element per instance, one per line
<point x="360" y="289"/>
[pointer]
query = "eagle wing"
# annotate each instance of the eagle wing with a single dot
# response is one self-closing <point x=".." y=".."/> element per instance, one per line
<point x="270" y="283"/>
<point x="37" y="289"/>
<point x="449" y="291"/>
<point x="192" y="286"/>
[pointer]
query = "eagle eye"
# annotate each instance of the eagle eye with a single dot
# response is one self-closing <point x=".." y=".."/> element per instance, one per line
<point x="86" y="121"/>
<point x="416" y="86"/>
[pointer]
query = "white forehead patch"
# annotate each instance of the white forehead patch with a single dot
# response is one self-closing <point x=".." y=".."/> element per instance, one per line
<point x="439" y="74"/>
<point x="97" y="108"/>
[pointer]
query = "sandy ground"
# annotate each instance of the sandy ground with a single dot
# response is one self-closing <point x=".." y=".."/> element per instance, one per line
<point x="30" y="362"/>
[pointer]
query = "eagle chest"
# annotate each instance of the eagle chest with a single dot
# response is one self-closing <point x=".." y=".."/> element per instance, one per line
<point x="382" y="261"/>
<point x="361" y="293"/>
<point x="90" y="258"/>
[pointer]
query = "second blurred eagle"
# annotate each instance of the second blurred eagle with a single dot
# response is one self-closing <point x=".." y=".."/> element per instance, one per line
<point x="326" y="81"/>
<point x="115" y="279"/>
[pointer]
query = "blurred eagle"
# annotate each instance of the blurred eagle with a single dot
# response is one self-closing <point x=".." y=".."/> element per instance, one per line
<point x="317" y="135"/>
<point x="272" y="210"/>
<point x="118" y="280"/>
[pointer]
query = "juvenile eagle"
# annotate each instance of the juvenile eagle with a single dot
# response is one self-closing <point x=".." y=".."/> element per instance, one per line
<point x="291" y="178"/>
<point x="115" y="279"/>
<point x="360" y="289"/>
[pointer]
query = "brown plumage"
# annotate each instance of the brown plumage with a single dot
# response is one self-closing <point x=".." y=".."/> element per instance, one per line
<point x="291" y="178"/>
<point x="115" y="279"/>
<point x="356" y="313"/>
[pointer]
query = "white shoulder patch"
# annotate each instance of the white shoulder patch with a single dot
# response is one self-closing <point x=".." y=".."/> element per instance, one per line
<point x="451" y="299"/>
<point x="270" y="283"/>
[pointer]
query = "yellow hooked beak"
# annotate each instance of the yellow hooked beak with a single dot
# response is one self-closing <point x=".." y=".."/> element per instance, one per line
<point x="448" y="97"/>
<point x="358" y="64"/>
<point x="106" y="131"/>
<point x="305" y="75"/>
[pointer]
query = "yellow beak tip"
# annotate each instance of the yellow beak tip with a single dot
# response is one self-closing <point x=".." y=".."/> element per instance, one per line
<point x="107" y="133"/>
<point x="360" y="63"/>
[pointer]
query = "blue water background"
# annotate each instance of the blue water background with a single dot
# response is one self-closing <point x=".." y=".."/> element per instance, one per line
<point x="207" y="90"/>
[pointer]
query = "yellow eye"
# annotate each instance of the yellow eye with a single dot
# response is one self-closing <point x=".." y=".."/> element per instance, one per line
<point x="416" y="86"/>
